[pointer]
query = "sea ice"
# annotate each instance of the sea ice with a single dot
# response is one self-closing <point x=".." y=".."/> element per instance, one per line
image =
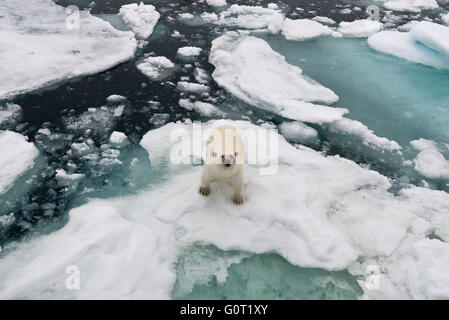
<point x="298" y="132"/>
<point x="432" y="35"/>
<point x="141" y="18"/>
<point x="359" y="28"/>
<point x="17" y="156"/>
<point x="410" y="5"/>
<point x="247" y="17"/>
<point x="216" y="3"/>
<point x="38" y="48"/>
<point x="249" y="69"/>
<point x="10" y="115"/>
<point x="303" y="29"/>
<point x="188" y="52"/>
<point x="156" y="68"/>
<point x="404" y="45"/>
<point x="316" y="211"/>
<point x="192" y="87"/>
<point x="430" y="162"/>
<point x="204" y="108"/>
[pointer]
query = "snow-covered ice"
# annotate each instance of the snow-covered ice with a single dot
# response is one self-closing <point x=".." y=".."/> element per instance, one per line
<point x="140" y="18"/>
<point x="247" y="17"/>
<point x="249" y="69"/>
<point x="192" y="87"/>
<point x="204" y="108"/>
<point x="356" y="128"/>
<point x="298" y="132"/>
<point x="432" y="35"/>
<point x="216" y="3"/>
<point x="303" y="29"/>
<point x="316" y="211"/>
<point x="415" y="6"/>
<point x="359" y="28"/>
<point x="156" y="68"/>
<point x="17" y="156"/>
<point x="38" y="49"/>
<point x="430" y="162"/>
<point x="324" y="20"/>
<point x="188" y="52"/>
<point x="404" y="45"/>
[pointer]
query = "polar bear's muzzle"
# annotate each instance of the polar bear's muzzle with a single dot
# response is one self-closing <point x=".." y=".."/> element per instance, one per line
<point x="227" y="160"/>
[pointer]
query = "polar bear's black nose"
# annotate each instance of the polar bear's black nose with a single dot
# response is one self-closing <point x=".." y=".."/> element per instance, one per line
<point x="227" y="164"/>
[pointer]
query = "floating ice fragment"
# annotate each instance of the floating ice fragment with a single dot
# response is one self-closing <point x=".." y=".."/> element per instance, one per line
<point x="141" y="18"/>
<point x="17" y="156"/>
<point x="303" y="29"/>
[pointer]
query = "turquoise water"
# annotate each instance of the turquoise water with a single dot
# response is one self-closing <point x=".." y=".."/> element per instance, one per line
<point x="397" y="99"/>
<point x="262" y="276"/>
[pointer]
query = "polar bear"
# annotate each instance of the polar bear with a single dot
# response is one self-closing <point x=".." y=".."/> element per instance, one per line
<point x="224" y="161"/>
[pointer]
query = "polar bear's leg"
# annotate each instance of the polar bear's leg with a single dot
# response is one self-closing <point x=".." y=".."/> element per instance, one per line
<point x="237" y="188"/>
<point x="205" y="183"/>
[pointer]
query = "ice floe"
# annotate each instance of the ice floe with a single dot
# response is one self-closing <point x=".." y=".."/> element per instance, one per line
<point x="247" y="17"/>
<point x="356" y="128"/>
<point x="415" y="6"/>
<point x="316" y="211"/>
<point x="10" y="115"/>
<point x="192" y="87"/>
<point x="216" y="3"/>
<point x="204" y="108"/>
<point x="430" y="162"/>
<point x="156" y="68"/>
<point x="40" y="46"/>
<point x="140" y="18"/>
<point x="298" y="132"/>
<point x="425" y="43"/>
<point x="188" y="52"/>
<point x="249" y="69"/>
<point x="359" y="28"/>
<point x="17" y="156"/>
<point x="303" y="29"/>
<point x="432" y="35"/>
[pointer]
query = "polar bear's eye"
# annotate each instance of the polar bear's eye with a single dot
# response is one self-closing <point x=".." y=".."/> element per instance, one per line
<point x="214" y="154"/>
<point x="236" y="154"/>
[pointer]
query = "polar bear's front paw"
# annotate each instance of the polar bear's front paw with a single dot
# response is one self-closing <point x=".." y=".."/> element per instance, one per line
<point x="237" y="199"/>
<point x="204" y="191"/>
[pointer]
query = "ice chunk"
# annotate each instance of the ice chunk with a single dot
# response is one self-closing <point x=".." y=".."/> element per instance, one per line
<point x="359" y="28"/>
<point x="303" y="29"/>
<point x="156" y="68"/>
<point x="357" y="128"/>
<point x="204" y="108"/>
<point x="247" y="17"/>
<point x="298" y="132"/>
<point x="141" y="18"/>
<point x="445" y="18"/>
<point x="68" y="179"/>
<point x="410" y="5"/>
<point x="116" y="98"/>
<point x="17" y="156"/>
<point x="10" y="114"/>
<point x="432" y="35"/>
<point x="250" y="70"/>
<point x="216" y="3"/>
<point x="430" y="162"/>
<point x="324" y="20"/>
<point x="118" y="138"/>
<point x="38" y="48"/>
<point x="191" y="87"/>
<point x="188" y="52"/>
<point x="405" y="46"/>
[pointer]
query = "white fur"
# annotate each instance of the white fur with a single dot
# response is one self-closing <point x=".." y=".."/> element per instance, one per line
<point x="224" y="141"/>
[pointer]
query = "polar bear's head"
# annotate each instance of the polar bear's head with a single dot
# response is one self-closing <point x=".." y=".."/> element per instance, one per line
<point x="225" y="149"/>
